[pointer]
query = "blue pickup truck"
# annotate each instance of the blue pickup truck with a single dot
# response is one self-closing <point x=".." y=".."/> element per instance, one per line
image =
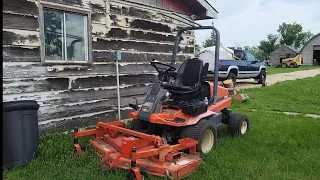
<point x="243" y="66"/>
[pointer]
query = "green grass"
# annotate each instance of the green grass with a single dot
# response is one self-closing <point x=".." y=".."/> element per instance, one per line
<point x="278" y="146"/>
<point x="273" y="70"/>
<point x="302" y="96"/>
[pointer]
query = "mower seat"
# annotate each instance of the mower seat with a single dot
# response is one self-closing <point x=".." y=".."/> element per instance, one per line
<point x="204" y="72"/>
<point x="188" y="78"/>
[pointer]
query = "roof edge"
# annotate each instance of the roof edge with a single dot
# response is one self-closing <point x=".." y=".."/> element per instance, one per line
<point x="211" y="11"/>
<point x="318" y="34"/>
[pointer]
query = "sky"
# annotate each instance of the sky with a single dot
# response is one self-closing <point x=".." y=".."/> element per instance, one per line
<point x="246" y="22"/>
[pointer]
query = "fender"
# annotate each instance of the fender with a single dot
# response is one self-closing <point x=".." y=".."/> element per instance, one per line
<point x="262" y="67"/>
<point x="233" y="67"/>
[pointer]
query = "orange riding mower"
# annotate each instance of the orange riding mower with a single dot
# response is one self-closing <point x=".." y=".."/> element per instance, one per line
<point x="175" y="125"/>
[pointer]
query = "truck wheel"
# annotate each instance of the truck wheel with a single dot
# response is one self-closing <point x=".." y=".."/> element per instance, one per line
<point x="233" y="77"/>
<point x="283" y="65"/>
<point x="262" y="77"/>
<point x="204" y="132"/>
<point x="238" y="124"/>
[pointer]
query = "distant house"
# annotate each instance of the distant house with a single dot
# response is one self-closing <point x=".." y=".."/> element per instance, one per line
<point x="61" y="53"/>
<point x="282" y="52"/>
<point x="311" y="51"/>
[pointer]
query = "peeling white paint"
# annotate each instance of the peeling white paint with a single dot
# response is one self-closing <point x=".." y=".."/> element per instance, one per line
<point x="22" y="46"/>
<point x="145" y="41"/>
<point x="79" y="116"/>
<point x="100" y="28"/>
<point x="85" y="102"/>
<point x="11" y="12"/>
<point x="86" y="3"/>
<point x="22" y="64"/>
<point x="142" y="52"/>
<point x="25" y="34"/>
<point x="58" y="68"/>
<point x="100" y="3"/>
<point x="153" y="10"/>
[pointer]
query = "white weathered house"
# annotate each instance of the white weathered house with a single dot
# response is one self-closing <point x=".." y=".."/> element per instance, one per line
<point x="61" y="53"/>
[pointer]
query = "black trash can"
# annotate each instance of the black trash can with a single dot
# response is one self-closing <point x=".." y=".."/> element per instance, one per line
<point x="20" y="132"/>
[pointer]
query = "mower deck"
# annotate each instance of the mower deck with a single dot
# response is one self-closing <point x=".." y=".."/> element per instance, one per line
<point x="131" y="150"/>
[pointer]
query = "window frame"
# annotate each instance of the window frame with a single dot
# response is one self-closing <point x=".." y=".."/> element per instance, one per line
<point x="70" y="9"/>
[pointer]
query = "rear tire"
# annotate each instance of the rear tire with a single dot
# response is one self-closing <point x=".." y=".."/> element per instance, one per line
<point x="238" y="124"/>
<point x="262" y="77"/>
<point x="283" y="65"/>
<point x="226" y="113"/>
<point x="233" y="77"/>
<point x="137" y="125"/>
<point x="204" y="132"/>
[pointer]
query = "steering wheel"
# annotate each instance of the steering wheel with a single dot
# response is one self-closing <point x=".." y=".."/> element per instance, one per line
<point x="162" y="68"/>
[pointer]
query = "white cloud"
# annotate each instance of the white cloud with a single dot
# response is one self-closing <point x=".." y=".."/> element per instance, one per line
<point x="246" y="22"/>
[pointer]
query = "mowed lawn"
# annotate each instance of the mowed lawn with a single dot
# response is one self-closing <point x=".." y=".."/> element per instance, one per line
<point x="278" y="146"/>
<point x="301" y="96"/>
<point x="274" y="70"/>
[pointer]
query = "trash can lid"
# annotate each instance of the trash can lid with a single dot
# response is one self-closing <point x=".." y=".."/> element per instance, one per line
<point x="20" y="105"/>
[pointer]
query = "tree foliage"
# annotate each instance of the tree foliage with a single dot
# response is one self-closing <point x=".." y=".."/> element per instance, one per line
<point x="293" y="35"/>
<point x="197" y="47"/>
<point x="268" y="45"/>
<point x="210" y="41"/>
<point x="258" y="53"/>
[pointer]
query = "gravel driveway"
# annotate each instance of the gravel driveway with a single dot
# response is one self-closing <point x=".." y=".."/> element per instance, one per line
<point x="274" y="78"/>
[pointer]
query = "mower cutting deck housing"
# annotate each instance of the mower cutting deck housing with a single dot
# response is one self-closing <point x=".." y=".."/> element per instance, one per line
<point x="177" y="122"/>
<point x="141" y="152"/>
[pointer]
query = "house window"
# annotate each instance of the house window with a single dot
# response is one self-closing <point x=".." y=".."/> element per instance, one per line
<point x="65" y="34"/>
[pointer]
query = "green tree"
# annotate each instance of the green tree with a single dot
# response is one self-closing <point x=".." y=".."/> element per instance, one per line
<point x="258" y="53"/>
<point x="293" y="35"/>
<point x="210" y="41"/>
<point x="267" y="46"/>
<point x="197" y="47"/>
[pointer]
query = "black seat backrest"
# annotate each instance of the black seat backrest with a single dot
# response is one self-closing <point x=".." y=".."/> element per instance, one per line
<point x="204" y="72"/>
<point x="189" y="73"/>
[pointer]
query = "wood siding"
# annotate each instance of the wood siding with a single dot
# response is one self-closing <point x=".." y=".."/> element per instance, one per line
<point x="80" y="95"/>
<point x="281" y="52"/>
<point x="307" y="51"/>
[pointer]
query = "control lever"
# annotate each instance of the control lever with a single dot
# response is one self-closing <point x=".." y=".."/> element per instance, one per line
<point x="134" y="106"/>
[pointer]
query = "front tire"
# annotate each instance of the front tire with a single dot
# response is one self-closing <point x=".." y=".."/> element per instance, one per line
<point x="204" y="132"/>
<point x="239" y="124"/>
<point x="262" y="77"/>
<point x="233" y="77"/>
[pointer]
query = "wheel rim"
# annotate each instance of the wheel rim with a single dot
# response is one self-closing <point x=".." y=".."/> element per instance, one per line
<point x="283" y="65"/>
<point x="244" y="127"/>
<point x="207" y="141"/>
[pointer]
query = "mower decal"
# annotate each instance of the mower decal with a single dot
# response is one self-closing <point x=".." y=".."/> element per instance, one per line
<point x="183" y="162"/>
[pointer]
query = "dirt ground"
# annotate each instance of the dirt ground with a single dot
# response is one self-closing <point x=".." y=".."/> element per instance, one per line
<point x="274" y="78"/>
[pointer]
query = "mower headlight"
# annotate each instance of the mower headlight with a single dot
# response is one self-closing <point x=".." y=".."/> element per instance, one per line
<point x="145" y="108"/>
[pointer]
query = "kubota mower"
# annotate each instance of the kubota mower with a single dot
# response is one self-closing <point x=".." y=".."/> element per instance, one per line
<point x="177" y="122"/>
